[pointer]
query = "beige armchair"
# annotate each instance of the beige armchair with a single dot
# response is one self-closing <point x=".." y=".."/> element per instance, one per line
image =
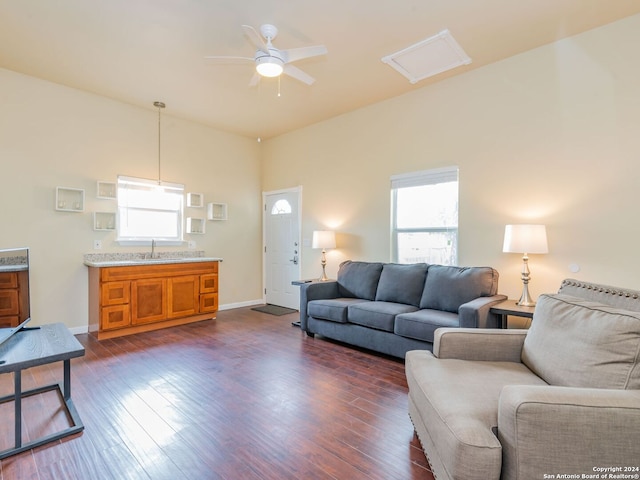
<point x="562" y="398"/>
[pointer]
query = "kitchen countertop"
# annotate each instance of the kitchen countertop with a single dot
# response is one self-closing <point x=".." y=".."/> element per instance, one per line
<point x="101" y="260"/>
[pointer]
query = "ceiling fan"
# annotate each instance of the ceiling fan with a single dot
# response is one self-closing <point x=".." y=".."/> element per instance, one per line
<point x="270" y="61"/>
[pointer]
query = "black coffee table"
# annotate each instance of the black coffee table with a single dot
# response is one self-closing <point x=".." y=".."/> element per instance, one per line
<point x="30" y="348"/>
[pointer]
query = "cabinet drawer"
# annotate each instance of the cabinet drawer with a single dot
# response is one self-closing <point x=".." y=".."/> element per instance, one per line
<point x="209" y="283"/>
<point x="208" y="302"/>
<point x="115" y="293"/>
<point x="115" y="316"/>
<point x="8" y="280"/>
<point x="9" y="302"/>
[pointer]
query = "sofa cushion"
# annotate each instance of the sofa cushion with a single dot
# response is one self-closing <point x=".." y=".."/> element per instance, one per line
<point x="447" y="287"/>
<point x="334" y="309"/>
<point x="578" y="343"/>
<point x="422" y="324"/>
<point x="378" y="315"/>
<point x="359" y="279"/>
<point x="401" y="283"/>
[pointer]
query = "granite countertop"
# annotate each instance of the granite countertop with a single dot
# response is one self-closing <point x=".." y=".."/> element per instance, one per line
<point x="142" y="258"/>
<point x="13" y="268"/>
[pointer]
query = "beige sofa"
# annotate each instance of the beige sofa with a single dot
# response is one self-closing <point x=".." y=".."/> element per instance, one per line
<point x="562" y="398"/>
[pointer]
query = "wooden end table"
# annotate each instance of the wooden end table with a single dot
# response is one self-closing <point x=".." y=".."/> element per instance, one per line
<point x="510" y="307"/>
<point x="30" y="348"/>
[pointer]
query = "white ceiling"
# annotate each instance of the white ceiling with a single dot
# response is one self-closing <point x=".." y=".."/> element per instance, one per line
<point x="139" y="51"/>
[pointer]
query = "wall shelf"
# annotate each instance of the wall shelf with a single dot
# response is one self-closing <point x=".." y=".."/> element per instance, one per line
<point x="217" y="211"/>
<point x="195" y="200"/>
<point x="195" y="225"/>
<point x="104" y="221"/>
<point x="69" y="199"/>
<point x="106" y="190"/>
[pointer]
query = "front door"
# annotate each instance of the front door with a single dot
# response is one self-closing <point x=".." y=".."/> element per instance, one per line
<point x="282" y="247"/>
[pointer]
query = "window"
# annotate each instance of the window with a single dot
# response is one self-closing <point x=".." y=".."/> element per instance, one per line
<point x="424" y="217"/>
<point x="281" y="207"/>
<point x="149" y="210"/>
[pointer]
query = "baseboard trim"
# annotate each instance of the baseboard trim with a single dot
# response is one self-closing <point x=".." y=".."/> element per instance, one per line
<point x="249" y="303"/>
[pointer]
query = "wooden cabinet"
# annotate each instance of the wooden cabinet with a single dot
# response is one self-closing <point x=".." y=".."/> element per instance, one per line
<point x="14" y="297"/>
<point x="130" y="299"/>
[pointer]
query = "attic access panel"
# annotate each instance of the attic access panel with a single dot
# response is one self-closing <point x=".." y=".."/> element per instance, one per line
<point x="429" y="57"/>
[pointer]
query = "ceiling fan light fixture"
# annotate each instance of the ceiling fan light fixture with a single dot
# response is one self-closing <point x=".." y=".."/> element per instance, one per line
<point x="269" y="66"/>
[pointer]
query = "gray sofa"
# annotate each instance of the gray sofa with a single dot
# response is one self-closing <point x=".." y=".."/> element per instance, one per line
<point x="393" y="308"/>
<point x="562" y="398"/>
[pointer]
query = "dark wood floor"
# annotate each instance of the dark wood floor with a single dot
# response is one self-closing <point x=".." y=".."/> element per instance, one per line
<point x="246" y="396"/>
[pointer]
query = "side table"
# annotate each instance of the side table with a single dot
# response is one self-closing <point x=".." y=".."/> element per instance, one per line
<point x="305" y="282"/>
<point x="510" y="307"/>
<point x="30" y="348"/>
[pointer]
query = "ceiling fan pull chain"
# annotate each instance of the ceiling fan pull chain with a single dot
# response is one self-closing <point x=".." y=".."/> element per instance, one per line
<point x="279" y="86"/>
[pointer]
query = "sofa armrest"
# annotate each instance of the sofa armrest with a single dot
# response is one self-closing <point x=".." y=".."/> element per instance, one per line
<point x="475" y="314"/>
<point x="480" y="344"/>
<point x="545" y="429"/>
<point x="315" y="291"/>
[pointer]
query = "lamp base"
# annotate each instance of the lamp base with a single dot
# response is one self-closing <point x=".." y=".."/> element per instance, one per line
<point x="525" y="298"/>
<point x="323" y="262"/>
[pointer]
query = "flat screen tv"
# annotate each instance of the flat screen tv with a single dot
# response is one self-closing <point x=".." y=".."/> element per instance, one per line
<point x="14" y="286"/>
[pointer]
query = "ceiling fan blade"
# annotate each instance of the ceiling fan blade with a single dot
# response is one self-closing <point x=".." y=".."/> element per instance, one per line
<point x="223" y="59"/>
<point x="254" y="80"/>
<point x="255" y="38"/>
<point x="294" y="54"/>
<point x="298" y="74"/>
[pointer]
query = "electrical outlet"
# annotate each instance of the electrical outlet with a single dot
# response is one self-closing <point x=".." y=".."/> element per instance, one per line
<point x="97" y="244"/>
<point x="192" y="244"/>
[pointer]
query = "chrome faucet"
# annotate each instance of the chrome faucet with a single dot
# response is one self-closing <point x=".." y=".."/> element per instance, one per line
<point x="153" y="248"/>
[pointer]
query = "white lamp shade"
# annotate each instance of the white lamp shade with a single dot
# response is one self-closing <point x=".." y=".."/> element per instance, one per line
<point x="525" y="239"/>
<point x="324" y="239"/>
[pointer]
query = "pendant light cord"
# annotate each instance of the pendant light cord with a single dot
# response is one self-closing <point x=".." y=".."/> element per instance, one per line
<point x="160" y="106"/>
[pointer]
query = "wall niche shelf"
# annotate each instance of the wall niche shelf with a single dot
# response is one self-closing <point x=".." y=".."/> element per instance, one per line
<point x="195" y="225"/>
<point x="106" y="190"/>
<point x="217" y="211"/>
<point x="195" y="200"/>
<point x="104" y="221"/>
<point x="69" y="199"/>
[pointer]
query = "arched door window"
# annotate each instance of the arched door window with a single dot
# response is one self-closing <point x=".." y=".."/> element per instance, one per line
<point x="281" y="207"/>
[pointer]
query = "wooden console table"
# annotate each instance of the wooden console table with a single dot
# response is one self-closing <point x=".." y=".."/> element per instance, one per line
<point x="30" y="348"/>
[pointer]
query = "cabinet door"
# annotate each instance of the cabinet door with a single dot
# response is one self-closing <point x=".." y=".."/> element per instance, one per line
<point x="9" y="302"/>
<point x="115" y="316"/>
<point x="148" y="300"/>
<point x="183" y="296"/>
<point x="208" y="303"/>
<point x="209" y="283"/>
<point x="115" y="293"/>
<point x="8" y="280"/>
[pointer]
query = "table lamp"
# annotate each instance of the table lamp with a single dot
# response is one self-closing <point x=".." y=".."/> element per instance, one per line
<point x="323" y="239"/>
<point x="525" y="239"/>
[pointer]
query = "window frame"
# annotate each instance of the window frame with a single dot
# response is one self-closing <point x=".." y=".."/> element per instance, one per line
<point x="416" y="179"/>
<point x="148" y="184"/>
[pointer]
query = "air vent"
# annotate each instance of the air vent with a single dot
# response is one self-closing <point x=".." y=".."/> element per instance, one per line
<point x="429" y="57"/>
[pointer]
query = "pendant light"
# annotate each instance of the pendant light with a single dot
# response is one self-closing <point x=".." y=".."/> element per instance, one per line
<point x="159" y="106"/>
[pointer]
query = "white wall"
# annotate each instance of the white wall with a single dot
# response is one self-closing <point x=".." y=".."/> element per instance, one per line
<point x="549" y="136"/>
<point x="52" y="136"/>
